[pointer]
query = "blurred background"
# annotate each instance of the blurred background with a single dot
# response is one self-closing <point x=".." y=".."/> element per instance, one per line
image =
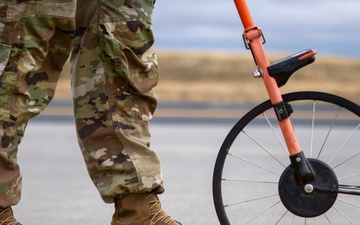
<point x="203" y="60"/>
<point x="330" y="26"/>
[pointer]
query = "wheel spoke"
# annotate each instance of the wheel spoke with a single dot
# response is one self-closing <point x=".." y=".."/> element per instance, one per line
<point x="343" y="215"/>
<point x="312" y="129"/>
<point x="329" y="131"/>
<point x="281" y="217"/>
<point x="249" y="181"/>
<point x="262" y="147"/>
<point x="345" y="142"/>
<point x="250" y="200"/>
<point x="316" y="221"/>
<point x="254" y="164"/>
<point x="327" y="218"/>
<point x="276" y="134"/>
<point x="348" y="203"/>
<point x="352" y="157"/>
<point x="350" y="176"/>
<point x="293" y="219"/>
<point x="262" y="212"/>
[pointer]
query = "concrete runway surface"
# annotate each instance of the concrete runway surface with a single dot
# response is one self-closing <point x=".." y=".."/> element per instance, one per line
<point x="57" y="189"/>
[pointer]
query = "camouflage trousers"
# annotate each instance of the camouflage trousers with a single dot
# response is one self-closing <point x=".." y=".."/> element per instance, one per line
<point x="113" y="72"/>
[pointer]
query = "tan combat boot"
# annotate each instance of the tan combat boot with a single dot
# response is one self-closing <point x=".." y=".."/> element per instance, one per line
<point x="140" y="209"/>
<point x="7" y="217"/>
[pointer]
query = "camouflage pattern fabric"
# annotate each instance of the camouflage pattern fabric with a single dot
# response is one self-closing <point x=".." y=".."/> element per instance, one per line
<point x="113" y="72"/>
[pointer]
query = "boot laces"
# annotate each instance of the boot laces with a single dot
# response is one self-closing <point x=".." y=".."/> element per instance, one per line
<point x="158" y="215"/>
<point x="10" y="220"/>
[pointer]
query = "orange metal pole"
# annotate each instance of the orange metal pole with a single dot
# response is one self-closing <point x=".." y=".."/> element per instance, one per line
<point x="257" y="48"/>
<point x="275" y="95"/>
<point x="245" y="15"/>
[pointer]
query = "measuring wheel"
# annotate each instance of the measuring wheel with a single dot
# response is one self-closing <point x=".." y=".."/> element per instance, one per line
<point x="253" y="184"/>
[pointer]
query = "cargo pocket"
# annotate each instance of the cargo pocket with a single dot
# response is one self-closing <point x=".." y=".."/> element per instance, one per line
<point x="129" y="46"/>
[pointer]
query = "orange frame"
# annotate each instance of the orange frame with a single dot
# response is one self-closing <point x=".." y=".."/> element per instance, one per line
<point x="253" y="36"/>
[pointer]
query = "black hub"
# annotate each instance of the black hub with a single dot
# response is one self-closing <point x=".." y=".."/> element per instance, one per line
<point x="303" y="199"/>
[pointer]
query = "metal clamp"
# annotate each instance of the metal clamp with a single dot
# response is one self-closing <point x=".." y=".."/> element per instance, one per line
<point x="247" y="41"/>
<point x="282" y="110"/>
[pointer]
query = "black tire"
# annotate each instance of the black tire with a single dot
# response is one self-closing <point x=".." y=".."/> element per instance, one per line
<point x="249" y="164"/>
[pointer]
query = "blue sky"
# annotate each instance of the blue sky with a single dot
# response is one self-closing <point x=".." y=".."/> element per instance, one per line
<point x="332" y="27"/>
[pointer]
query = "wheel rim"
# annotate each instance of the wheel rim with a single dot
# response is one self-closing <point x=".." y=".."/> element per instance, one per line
<point x="235" y="177"/>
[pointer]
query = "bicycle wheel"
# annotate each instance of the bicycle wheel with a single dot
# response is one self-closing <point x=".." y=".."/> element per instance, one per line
<point x="253" y="157"/>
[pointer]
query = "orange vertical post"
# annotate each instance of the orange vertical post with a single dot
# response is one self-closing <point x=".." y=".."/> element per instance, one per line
<point x="253" y="35"/>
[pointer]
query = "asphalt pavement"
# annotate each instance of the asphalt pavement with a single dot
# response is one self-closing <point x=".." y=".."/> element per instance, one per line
<point x="57" y="189"/>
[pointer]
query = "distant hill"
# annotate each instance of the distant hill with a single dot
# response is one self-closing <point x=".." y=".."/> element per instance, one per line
<point x="226" y="78"/>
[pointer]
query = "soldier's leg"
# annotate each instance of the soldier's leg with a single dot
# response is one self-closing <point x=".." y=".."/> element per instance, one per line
<point x="113" y="72"/>
<point x="35" y="41"/>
